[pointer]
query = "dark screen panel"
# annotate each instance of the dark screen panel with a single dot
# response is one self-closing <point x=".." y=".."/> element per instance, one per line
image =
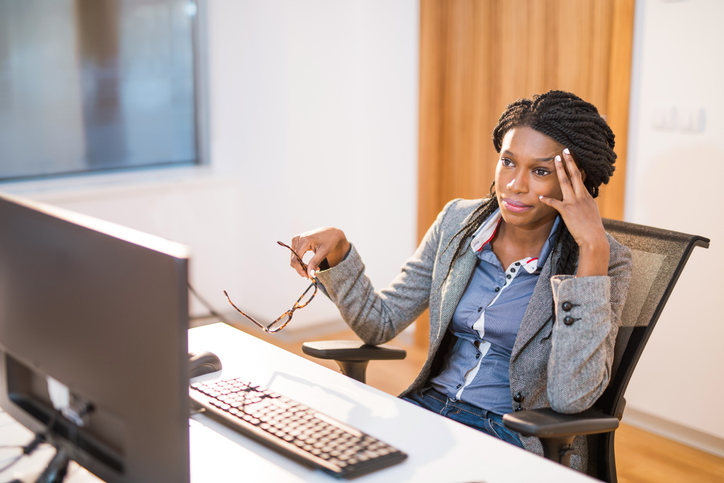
<point x="103" y="310"/>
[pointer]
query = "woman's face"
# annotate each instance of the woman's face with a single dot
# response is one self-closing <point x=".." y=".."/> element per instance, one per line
<point x="526" y="171"/>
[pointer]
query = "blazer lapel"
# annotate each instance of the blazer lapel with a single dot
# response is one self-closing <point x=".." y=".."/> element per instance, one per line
<point x="454" y="287"/>
<point x="539" y="309"/>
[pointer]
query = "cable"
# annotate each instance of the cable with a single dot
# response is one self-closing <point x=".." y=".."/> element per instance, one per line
<point x="57" y="468"/>
<point x="28" y="449"/>
<point x="208" y="305"/>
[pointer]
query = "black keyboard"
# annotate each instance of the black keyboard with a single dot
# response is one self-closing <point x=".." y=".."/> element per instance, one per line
<point x="293" y="428"/>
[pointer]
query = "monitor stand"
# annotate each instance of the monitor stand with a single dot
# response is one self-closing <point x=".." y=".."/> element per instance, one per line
<point x="57" y="468"/>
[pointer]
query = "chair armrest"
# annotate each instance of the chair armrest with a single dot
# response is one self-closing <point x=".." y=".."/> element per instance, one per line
<point x="352" y="356"/>
<point x="350" y="350"/>
<point x="556" y="430"/>
<point x="546" y="423"/>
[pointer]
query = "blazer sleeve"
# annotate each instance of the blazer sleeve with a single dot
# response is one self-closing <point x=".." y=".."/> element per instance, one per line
<point x="378" y="316"/>
<point x="587" y="318"/>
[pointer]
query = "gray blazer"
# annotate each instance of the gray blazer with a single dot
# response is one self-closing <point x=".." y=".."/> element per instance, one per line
<point x="553" y="364"/>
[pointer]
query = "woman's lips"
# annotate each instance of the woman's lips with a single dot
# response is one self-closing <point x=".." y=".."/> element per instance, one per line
<point x="516" y="206"/>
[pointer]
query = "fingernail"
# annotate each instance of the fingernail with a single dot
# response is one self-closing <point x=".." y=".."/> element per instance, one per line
<point x="540" y="197"/>
<point x="312" y="273"/>
<point x="558" y="159"/>
<point x="566" y="151"/>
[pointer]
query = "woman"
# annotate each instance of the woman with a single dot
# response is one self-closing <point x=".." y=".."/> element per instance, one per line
<point x="525" y="288"/>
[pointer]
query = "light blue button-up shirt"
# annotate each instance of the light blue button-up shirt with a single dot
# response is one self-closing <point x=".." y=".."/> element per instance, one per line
<point x="486" y="323"/>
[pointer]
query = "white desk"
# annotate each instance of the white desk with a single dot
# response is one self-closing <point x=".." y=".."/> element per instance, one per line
<point x="439" y="449"/>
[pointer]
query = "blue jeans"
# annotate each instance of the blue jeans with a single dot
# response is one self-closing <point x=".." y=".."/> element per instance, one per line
<point x="465" y="413"/>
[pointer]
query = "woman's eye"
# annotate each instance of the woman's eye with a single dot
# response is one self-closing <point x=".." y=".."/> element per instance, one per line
<point x="541" y="172"/>
<point x="506" y="162"/>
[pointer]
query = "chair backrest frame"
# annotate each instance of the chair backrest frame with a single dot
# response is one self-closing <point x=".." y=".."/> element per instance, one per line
<point x="672" y="249"/>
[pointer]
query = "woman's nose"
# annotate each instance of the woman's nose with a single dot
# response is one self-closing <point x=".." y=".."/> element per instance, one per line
<point x="517" y="184"/>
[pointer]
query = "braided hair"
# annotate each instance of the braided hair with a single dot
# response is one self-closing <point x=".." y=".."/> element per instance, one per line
<point x="572" y="122"/>
<point x="577" y="125"/>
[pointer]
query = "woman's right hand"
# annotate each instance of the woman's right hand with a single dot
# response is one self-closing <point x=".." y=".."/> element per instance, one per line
<point x="328" y="242"/>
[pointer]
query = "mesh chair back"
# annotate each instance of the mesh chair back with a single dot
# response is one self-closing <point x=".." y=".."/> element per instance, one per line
<point x="659" y="257"/>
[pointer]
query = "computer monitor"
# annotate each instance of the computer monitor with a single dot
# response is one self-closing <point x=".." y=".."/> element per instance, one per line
<point x="99" y="313"/>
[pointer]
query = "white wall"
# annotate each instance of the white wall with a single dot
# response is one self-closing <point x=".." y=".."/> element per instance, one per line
<point x="315" y="104"/>
<point x="313" y="121"/>
<point x="675" y="181"/>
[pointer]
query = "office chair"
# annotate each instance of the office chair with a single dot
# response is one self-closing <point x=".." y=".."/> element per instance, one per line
<point x="659" y="256"/>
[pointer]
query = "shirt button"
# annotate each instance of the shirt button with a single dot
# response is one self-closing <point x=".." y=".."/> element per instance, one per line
<point x="458" y="386"/>
<point x="517" y="264"/>
<point x="567" y="306"/>
<point x="477" y="356"/>
<point x="497" y="289"/>
<point x="568" y="320"/>
<point x="480" y="309"/>
<point x="508" y="276"/>
<point x="512" y="270"/>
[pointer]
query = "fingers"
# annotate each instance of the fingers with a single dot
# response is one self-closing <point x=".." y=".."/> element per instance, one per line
<point x="316" y="242"/>
<point x="313" y="265"/>
<point x="574" y="174"/>
<point x="577" y="207"/>
<point x="552" y="202"/>
<point x="300" y="248"/>
<point x="563" y="179"/>
<point x="570" y="179"/>
<point x="569" y="176"/>
<point x="329" y="243"/>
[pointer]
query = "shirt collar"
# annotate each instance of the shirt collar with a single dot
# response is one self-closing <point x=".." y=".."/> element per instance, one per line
<point x="486" y="232"/>
<point x="489" y="228"/>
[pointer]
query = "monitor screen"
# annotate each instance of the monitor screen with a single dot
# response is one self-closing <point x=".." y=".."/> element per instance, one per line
<point x="93" y="340"/>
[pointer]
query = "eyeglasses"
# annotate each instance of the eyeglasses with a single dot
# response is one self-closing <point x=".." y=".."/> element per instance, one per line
<point x="286" y="317"/>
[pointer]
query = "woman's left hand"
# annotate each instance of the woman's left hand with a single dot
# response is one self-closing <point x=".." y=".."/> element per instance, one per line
<point x="580" y="214"/>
